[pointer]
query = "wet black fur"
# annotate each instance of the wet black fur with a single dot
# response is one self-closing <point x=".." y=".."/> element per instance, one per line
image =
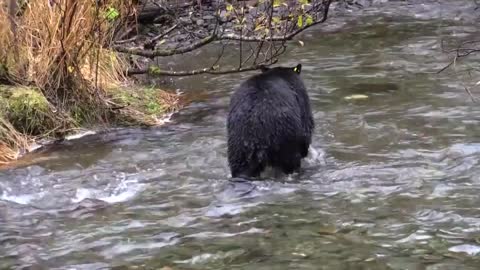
<point x="270" y="123"/>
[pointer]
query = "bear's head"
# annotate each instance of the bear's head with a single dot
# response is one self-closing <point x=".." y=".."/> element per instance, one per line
<point x="297" y="69"/>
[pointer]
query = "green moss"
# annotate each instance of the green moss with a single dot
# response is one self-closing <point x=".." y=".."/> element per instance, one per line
<point x="154" y="70"/>
<point x="3" y="107"/>
<point x="28" y="111"/>
<point x="4" y="94"/>
<point x="141" y="105"/>
<point x="153" y="103"/>
<point x="85" y="114"/>
<point x="145" y="100"/>
<point x="3" y="71"/>
<point x="28" y="100"/>
<point x="154" y="108"/>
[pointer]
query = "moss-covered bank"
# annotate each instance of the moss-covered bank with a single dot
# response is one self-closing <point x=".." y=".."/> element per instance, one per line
<point x="26" y="116"/>
<point x="143" y="105"/>
<point x="58" y="55"/>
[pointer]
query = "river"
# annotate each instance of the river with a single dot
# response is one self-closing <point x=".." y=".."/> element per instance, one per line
<point x="392" y="182"/>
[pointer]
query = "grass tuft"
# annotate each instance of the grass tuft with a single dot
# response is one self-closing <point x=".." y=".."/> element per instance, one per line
<point x="12" y="142"/>
<point x="60" y="51"/>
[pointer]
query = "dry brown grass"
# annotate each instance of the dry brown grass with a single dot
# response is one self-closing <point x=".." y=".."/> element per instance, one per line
<point x="59" y="49"/>
<point x="62" y="50"/>
<point x="5" y="32"/>
<point x="11" y="142"/>
<point x="171" y="101"/>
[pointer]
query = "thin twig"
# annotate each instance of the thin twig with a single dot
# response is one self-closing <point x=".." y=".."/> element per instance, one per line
<point x="470" y="94"/>
<point x="168" y="31"/>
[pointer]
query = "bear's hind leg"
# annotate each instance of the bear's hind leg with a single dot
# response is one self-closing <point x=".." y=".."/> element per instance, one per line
<point x="249" y="169"/>
<point x="255" y="169"/>
<point x="291" y="164"/>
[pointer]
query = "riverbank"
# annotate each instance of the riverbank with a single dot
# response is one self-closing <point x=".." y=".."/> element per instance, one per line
<point x="58" y="74"/>
<point x="28" y="120"/>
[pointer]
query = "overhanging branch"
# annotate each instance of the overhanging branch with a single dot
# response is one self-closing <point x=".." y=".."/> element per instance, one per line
<point x="155" y="70"/>
<point x="290" y="36"/>
<point x="219" y="37"/>
<point x="269" y="45"/>
<point x="159" y="53"/>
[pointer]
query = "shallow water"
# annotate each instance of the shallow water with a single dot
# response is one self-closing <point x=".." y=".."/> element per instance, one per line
<point x="392" y="183"/>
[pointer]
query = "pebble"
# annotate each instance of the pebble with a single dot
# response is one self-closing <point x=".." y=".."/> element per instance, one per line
<point x="208" y="17"/>
<point x="185" y="20"/>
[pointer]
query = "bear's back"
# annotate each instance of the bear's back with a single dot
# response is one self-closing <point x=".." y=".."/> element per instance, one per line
<point x="273" y="85"/>
<point x="291" y="78"/>
<point x="269" y="122"/>
<point x="266" y="103"/>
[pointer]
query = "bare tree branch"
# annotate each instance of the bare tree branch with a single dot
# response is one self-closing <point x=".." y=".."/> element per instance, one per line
<point x="216" y="37"/>
<point x="155" y="70"/>
<point x="157" y="53"/>
<point x="460" y="52"/>
<point x="153" y="41"/>
<point x="268" y="27"/>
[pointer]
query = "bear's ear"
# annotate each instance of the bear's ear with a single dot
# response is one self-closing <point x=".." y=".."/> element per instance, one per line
<point x="298" y="69"/>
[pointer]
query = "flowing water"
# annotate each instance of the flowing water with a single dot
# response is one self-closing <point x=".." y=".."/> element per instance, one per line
<point x="392" y="181"/>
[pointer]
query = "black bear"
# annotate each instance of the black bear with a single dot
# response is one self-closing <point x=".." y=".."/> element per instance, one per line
<point x="269" y="123"/>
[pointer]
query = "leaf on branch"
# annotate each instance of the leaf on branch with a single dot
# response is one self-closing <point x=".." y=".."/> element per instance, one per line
<point x="276" y="20"/>
<point x="154" y="70"/>
<point x="259" y="27"/>
<point x="309" y="20"/>
<point x="304" y="2"/>
<point x="300" y="21"/>
<point x="111" y="14"/>
<point x="277" y="3"/>
<point x="229" y="7"/>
